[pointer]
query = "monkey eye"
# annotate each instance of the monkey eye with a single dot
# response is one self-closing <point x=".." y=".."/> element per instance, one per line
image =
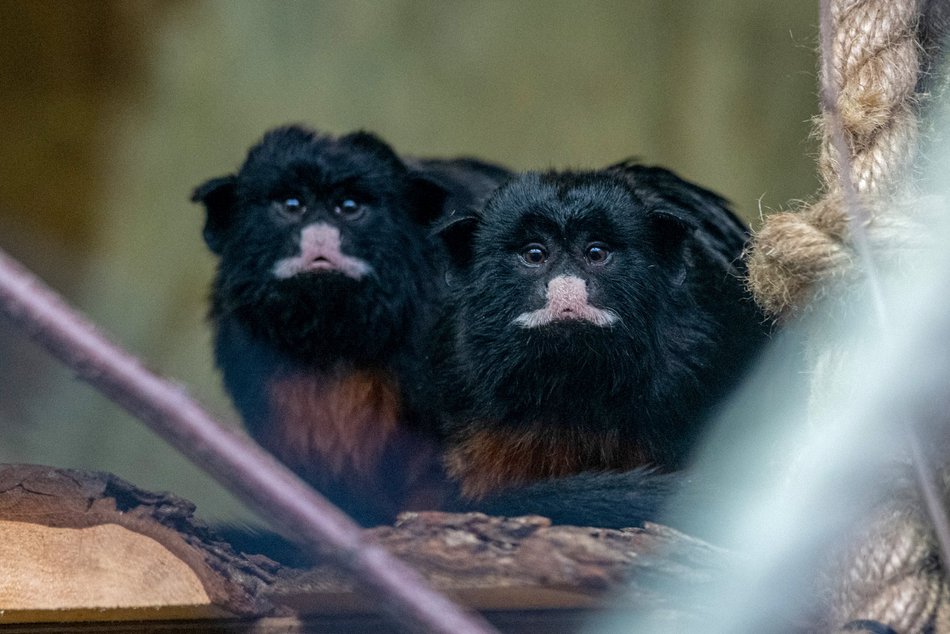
<point x="292" y="206"/>
<point x="597" y="253"/>
<point x="348" y="208"/>
<point x="534" y="254"/>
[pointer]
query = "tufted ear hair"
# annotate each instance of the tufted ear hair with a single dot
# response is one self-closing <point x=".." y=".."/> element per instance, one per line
<point x="218" y="197"/>
<point x="457" y="232"/>
<point x="428" y="197"/>
<point x="451" y="186"/>
<point x="671" y="224"/>
<point x="694" y="202"/>
<point x="692" y="213"/>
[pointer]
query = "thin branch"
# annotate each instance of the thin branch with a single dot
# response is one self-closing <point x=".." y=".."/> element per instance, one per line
<point x="232" y="459"/>
<point x="858" y="219"/>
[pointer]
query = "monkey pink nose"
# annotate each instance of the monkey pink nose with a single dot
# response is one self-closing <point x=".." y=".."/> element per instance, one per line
<point x="320" y="250"/>
<point x="567" y="294"/>
<point x="566" y="301"/>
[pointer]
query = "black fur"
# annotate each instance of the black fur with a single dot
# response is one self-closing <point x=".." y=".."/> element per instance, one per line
<point x="329" y="325"/>
<point x="632" y="394"/>
<point x="602" y="499"/>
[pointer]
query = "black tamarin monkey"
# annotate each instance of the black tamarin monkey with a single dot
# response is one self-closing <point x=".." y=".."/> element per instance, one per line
<point x="325" y="287"/>
<point x="595" y="320"/>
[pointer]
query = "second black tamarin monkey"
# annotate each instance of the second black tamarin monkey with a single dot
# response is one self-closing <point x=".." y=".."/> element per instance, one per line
<point x="596" y="318"/>
<point x="325" y="287"/>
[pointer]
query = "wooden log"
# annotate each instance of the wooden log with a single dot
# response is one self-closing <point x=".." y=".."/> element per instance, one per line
<point x="514" y="565"/>
<point x="78" y="545"/>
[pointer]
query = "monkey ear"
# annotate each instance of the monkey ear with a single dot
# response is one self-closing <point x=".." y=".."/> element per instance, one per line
<point x="671" y="223"/>
<point x="672" y="231"/>
<point x="457" y="232"/>
<point x="218" y="197"/>
<point x="428" y="198"/>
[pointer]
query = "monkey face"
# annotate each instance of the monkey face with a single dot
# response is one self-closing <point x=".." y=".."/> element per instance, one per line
<point x="321" y="243"/>
<point x="592" y="296"/>
<point x="563" y="263"/>
<point x="562" y="271"/>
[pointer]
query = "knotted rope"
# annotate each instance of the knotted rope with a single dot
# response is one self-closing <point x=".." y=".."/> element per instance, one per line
<point x="875" y="63"/>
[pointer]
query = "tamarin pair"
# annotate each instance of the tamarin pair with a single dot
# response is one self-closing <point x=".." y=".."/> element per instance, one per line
<point x="426" y="333"/>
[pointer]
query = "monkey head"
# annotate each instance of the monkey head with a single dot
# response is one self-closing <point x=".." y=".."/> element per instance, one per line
<point x="322" y="244"/>
<point x="595" y="302"/>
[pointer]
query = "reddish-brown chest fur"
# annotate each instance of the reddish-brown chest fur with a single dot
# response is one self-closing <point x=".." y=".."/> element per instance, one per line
<point x="493" y="458"/>
<point x="346" y="428"/>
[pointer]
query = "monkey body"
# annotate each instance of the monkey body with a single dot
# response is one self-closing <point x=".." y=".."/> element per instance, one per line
<point x="324" y="290"/>
<point x="344" y="427"/>
<point x="596" y="319"/>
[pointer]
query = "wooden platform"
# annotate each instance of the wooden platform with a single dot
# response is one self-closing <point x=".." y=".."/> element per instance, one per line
<point x="83" y="551"/>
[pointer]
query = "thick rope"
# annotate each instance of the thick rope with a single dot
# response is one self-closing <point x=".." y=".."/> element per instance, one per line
<point x="875" y="62"/>
<point x="890" y="574"/>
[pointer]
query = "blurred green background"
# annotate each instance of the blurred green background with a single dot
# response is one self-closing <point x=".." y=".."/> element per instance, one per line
<point x="113" y="111"/>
